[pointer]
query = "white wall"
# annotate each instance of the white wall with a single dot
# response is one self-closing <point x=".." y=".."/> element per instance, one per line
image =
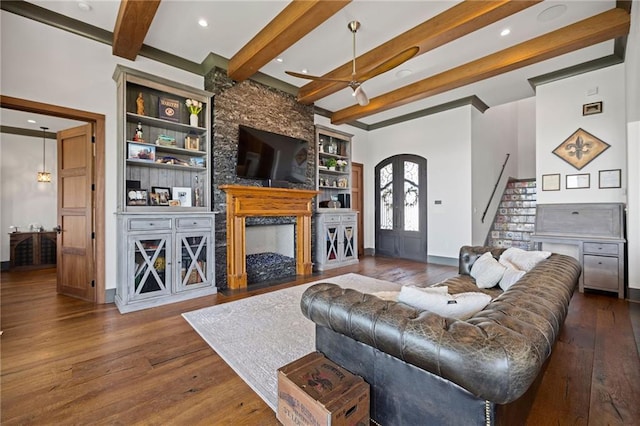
<point x="632" y="70"/>
<point x="445" y="141"/>
<point x="25" y="201"/>
<point x="44" y="64"/>
<point x="526" y="138"/>
<point x="494" y="135"/>
<point x="559" y="114"/>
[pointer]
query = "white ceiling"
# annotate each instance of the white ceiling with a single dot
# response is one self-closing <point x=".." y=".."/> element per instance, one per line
<point x="233" y="23"/>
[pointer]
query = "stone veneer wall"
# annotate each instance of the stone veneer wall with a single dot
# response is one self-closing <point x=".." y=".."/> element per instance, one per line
<point x="261" y="107"/>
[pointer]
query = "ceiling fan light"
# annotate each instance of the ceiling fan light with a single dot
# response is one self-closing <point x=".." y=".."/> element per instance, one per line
<point x="361" y="97"/>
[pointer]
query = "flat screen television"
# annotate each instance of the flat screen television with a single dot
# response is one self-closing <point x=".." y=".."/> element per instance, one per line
<point x="270" y="156"/>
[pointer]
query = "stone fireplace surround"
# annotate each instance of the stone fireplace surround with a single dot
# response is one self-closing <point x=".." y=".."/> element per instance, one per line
<point x="262" y="107"/>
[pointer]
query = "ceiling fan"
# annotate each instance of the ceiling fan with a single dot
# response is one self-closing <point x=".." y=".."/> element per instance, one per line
<point x="355" y="81"/>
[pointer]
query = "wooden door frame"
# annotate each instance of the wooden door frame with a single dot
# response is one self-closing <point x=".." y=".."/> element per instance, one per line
<point x="98" y="121"/>
<point x="361" y="215"/>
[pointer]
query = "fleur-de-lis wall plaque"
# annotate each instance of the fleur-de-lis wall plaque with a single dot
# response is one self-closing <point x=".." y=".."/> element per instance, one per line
<point x="580" y="148"/>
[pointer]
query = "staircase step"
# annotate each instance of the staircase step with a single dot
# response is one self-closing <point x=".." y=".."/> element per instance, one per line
<point x="515" y="220"/>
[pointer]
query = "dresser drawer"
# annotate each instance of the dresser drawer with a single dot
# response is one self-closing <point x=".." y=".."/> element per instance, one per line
<point x="349" y="217"/>
<point x="194" y="222"/>
<point x="330" y="218"/>
<point x="149" y="224"/>
<point x="600" y="272"/>
<point x="600" y="248"/>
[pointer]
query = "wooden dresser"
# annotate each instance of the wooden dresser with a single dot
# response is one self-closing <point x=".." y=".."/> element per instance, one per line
<point x="596" y="231"/>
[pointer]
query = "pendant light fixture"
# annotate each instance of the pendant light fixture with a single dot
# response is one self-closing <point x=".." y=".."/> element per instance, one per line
<point x="44" y="176"/>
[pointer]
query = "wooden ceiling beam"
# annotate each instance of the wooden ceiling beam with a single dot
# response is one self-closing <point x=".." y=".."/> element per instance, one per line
<point x="295" y="21"/>
<point x="455" y="22"/>
<point x="134" y="19"/>
<point x="596" y="29"/>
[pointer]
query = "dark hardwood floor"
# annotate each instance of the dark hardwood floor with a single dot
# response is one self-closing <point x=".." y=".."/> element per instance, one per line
<point x="66" y="361"/>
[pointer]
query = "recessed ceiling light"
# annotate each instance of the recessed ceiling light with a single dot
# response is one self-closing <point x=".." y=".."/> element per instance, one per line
<point x="552" y="13"/>
<point x="505" y="32"/>
<point x="31" y="121"/>
<point x="279" y="60"/>
<point x="84" y="6"/>
<point x="203" y="23"/>
<point x="304" y="71"/>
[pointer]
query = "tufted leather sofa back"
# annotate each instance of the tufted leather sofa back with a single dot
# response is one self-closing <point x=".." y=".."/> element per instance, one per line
<point x="469" y="254"/>
<point x="495" y="355"/>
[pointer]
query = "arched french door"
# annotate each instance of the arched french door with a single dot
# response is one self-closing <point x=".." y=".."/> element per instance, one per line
<point x="401" y="207"/>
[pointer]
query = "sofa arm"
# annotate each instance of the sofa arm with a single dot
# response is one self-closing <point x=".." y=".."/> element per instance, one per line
<point x="495" y="355"/>
<point x="469" y="254"/>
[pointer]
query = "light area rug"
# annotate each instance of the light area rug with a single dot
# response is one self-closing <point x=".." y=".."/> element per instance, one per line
<point x="260" y="334"/>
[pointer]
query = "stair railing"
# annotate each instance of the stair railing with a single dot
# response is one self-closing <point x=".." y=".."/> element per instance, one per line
<point x="495" y="187"/>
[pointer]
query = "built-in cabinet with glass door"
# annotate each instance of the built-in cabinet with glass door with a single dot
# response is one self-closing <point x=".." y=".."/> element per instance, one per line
<point x="165" y="223"/>
<point x="336" y="222"/>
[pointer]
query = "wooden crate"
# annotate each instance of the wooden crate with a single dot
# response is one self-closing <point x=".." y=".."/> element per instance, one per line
<point x="315" y="391"/>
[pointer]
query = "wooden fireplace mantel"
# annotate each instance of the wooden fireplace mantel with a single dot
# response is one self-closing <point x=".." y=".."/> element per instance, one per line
<point x="245" y="201"/>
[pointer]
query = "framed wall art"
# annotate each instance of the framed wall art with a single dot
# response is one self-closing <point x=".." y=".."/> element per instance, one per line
<point x="592" y="108"/>
<point x="183" y="195"/>
<point x="579" y="181"/>
<point x="609" y="178"/>
<point x="551" y="182"/>
<point x="163" y="195"/>
<point x="580" y="148"/>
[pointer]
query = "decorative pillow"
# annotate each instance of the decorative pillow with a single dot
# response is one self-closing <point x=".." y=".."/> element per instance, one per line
<point x="487" y="271"/>
<point x="460" y="306"/>
<point x="522" y="259"/>
<point x="510" y="277"/>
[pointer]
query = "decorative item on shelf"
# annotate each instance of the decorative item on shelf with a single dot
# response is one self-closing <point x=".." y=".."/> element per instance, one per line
<point x="140" y="104"/>
<point x="197" y="192"/>
<point x="194" y="107"/>
<point x="174" y="203"/>
<point x="136" y="197"/>
<point x="341" y="164"/>
<point x="141" y="152"/>
<point x="164" y="140"/>
<point x="172" y="160"/>
<point x="169" y="109"/>
<point x="138" y="135"/>
<point x="13" y="229"/>
<point x="183" y="195"/>
<point x="164" y="195"/>
<point x="342" y="183"/>
<point x="44" y="175"/>
<point x="197" y="162"/>
<point x="331" y="163"/>
<point x="333" y="147"/>
<point x="192" y="140"/>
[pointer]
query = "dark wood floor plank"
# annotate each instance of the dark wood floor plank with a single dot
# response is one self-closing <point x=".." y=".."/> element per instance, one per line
<point x="615" y="394"/>
<point x="66" y="361"/>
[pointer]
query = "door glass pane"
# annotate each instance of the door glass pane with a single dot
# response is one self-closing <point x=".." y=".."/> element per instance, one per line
<point x="332" y="243"/>
<point x="193" y="260"/>
<point x="386" y="197"/>
<point x="149" y="260"/>
<point x="348" y="243"/>
<point x="411" y="196"/>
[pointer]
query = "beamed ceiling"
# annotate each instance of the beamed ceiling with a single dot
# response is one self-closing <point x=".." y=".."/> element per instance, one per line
<point x="460" y="53"/>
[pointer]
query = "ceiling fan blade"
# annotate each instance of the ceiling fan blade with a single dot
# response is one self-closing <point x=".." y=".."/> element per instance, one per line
<point x="390" y="64"/>
<point x="360" y="96"/>
<point x="313" y="77"/>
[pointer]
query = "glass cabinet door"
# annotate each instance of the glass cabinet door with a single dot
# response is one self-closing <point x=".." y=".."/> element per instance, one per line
<point x="194" y="251"/>
<point x="331" y="244"/>
<point x="348" y="241"/>
<point x="150" y="269"/>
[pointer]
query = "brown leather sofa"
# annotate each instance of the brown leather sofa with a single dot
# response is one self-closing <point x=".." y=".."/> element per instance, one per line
<point x="427" y="369"/>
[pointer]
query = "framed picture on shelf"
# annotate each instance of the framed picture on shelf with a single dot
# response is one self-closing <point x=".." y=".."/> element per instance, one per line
<point x="196" y="162"/>
<point x="137" y="151"/>
<point x="609" y="178"/>
<point x="164" y="195"/>
<point x="169" y="109"/>
<point x="136" y="197"/>
<point x="154" y="199"/>
<point x="192" y="142"/>
<point x="579" y="181"/>
<point x="551" y="182"/>
<point x="183" y="195"/>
